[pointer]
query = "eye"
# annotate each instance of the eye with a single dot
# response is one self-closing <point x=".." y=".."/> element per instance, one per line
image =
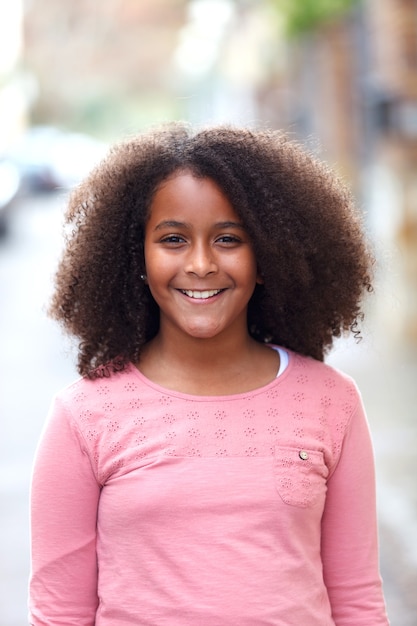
<point x="172" y="239"/>
<point x="228" y="239"/>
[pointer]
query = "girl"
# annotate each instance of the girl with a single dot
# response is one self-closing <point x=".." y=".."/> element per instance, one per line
<point x="208" y="468"/>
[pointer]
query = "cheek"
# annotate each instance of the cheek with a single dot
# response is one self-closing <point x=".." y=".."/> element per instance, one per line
<point x="248" y="269"/>
<point x="159" y="269"/>
<point x="154" y="261"/>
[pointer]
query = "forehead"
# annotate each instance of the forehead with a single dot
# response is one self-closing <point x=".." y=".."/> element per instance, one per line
<point x="184" y="195"/>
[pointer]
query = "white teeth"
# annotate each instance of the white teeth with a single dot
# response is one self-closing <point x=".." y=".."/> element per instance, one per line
<point x="201" y="295"/>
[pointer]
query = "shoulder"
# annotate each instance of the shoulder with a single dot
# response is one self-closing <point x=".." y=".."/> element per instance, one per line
<point x="322" y="379"/>
<point x="90" y="391"/>
<point x="319" y="370"/>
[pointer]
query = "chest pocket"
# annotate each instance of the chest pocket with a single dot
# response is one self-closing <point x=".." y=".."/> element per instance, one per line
<point x="300" y="475"/>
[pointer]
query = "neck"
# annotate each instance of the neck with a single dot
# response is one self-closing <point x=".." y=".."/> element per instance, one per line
<point x="190" y="353"/>
<point x="216" y="366"/>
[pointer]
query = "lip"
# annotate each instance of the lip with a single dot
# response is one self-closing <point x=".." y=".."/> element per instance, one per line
<point x="201" y="295"/>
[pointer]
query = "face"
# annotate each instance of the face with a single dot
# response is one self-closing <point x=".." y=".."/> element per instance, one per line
<point x="200" y="265"/>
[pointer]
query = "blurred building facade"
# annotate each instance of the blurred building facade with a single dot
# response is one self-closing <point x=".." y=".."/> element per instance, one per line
<point x="393" y="63"/>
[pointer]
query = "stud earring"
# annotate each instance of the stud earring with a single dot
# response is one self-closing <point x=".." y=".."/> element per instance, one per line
<point x="143" y="277"/>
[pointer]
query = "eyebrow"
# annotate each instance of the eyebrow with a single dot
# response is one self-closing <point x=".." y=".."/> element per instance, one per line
<point x="176" y="224"/>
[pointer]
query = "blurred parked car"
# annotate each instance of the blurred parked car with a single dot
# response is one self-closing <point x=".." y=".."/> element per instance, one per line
<point x="9" y="187"/>
<point x="48" y="158"/>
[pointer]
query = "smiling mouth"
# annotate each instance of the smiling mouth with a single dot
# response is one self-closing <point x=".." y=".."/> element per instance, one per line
<point x="201" y="295"/>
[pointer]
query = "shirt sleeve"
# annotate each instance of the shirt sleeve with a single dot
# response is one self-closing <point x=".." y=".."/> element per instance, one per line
<point x="349" y="533"/>
<point x="64" y="501"/>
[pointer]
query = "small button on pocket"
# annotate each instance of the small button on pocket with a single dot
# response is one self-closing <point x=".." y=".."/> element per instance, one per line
<point x="300" y="476"/>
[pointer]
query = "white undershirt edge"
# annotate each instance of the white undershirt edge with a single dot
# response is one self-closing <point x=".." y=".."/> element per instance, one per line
<point x="283" y="360"/>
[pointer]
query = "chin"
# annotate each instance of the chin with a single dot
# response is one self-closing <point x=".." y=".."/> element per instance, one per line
<point x="203" y="333"/>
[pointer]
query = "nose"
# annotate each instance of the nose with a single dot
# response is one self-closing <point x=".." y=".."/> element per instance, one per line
<point x="201" y="260"/>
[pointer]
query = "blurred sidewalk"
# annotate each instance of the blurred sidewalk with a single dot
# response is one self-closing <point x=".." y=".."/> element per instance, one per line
<point x="387" y="377"/>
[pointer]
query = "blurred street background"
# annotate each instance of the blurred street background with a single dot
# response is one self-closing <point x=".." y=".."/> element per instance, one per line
<point x="339" y="75"/>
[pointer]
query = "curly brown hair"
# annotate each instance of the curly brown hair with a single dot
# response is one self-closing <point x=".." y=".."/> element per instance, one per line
<point x="307" y="236"/>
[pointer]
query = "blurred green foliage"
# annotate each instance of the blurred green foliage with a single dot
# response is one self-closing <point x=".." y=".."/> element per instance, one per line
<point x="302" y="16"/>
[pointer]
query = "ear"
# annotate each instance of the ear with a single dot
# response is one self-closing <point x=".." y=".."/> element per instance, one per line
<point x="259" y="279"/>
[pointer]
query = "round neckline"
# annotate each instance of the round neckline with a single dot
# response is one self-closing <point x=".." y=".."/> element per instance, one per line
<point x="197" y="397"/>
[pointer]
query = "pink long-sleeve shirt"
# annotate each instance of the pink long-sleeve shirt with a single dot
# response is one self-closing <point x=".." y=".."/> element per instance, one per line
<point x="152" y="507"/>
